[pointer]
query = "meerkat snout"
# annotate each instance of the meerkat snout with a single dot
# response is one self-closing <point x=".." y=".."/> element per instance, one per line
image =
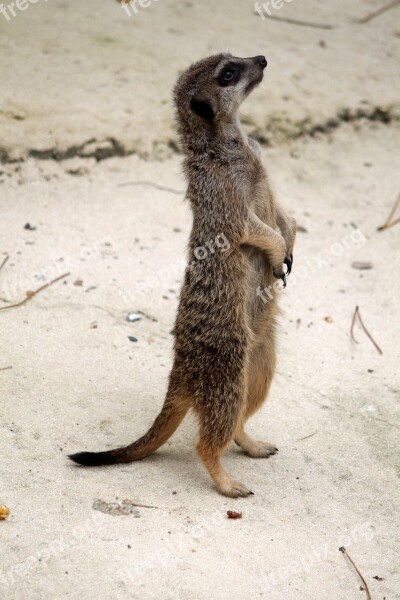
<point x="261" y="60"/>
<point x="256" y="77"/>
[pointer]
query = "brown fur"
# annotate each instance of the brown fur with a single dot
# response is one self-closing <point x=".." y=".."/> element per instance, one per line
<point x="224" y="353"/>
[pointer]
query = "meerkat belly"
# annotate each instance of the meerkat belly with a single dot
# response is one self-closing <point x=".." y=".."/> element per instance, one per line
<point x="213" y="301"/>
<point x="260" y="277"/>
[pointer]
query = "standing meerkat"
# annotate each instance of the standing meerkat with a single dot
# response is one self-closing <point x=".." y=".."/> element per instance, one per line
<point x="224" y="351"/>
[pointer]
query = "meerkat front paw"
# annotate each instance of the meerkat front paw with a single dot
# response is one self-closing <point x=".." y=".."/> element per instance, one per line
<point x="280" y="274"/>
<point x="289" y="235"/>
<point x="278" y="259"/>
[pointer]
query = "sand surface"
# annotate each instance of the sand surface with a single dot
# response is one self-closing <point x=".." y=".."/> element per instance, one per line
<point x="80" y="84"/>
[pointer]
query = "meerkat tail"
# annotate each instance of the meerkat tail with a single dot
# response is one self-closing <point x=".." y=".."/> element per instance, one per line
<point x="164" y="426"/>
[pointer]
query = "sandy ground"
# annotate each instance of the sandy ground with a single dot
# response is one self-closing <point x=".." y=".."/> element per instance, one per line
<point x="84" y="83"/>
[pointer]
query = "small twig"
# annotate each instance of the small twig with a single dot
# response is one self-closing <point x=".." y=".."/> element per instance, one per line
<point x="358" y="314"/>
<point x="352" y="326"/>
<point x="306" y="436"/>
<point x="379" y="12"/>
<point x="393" y="223"/>
<point x="302" y="23"/>
<point x="5" y="368"/>
<point x="151" y="184"/>
<point x="143" y="505"/>
<point x="389" y="223"/>
<point x="4" y="262"/>
<point x="368" y="333"/>
<point x="394" y="208"/>
<point x="343" y="550"/>
<point x="29" y="295"/>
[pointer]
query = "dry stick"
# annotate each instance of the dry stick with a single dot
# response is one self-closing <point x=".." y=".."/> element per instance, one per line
<point x="352" y="326"/>
<point x="302" y="23"/>
<point x="344" y="551"/>
<point x="4" y="262"/>
<point x="378" y="12"/>
<point x="388" y="222"/>
<point x="396" y="204"/>
<point x="368" y="333"/>
<point x="393" y="223"/>
<point x="155" y="185"/>
<point x="358" y="314"/>
<point x="5" y="368"/>
<point x="30" y="295"/>
<point x="306" y="436"/>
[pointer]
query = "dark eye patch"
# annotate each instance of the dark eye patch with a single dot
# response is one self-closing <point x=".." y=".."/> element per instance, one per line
<point x="230" y="74"/>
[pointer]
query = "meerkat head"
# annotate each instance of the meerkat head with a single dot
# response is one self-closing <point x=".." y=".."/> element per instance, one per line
<point x="211" y="90"/>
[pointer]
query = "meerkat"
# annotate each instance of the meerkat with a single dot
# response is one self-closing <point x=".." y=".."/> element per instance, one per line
<point x="224" y="335"/>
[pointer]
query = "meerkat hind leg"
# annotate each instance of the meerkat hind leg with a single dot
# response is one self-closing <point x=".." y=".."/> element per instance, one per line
<point x="260" y="378"/>
<point x="219" y="413"/>
<point x="224" y="482"/>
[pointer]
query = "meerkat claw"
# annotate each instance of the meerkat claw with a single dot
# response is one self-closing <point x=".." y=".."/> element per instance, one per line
<point x="289" y="263"/>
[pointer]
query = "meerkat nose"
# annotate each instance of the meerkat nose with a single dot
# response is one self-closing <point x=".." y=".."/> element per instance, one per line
<point x="262" y="61"/>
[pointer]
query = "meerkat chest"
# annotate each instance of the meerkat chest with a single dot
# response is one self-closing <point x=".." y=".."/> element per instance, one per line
<point x="259" y="193"/>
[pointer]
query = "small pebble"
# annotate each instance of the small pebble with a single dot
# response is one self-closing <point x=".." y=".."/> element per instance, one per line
<point x="40" y="277"/>
<point x="29" y="227"/>
<point x="361" y="265"/>
<point x="117" y="508"/>
<point x="232" y="514"/>
<point x="4" y="513"/>
<point x="132" y="338"/>
<point x="132" y="317"/>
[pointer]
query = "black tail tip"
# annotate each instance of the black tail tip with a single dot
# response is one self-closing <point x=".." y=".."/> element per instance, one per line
<point x="92" y="459"/>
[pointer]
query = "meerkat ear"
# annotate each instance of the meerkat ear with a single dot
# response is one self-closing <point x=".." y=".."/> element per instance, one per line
<point x="202" y="108"/>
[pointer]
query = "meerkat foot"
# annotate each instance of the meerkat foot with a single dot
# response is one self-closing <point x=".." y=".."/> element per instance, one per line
<point x="227" y="486"/>
<point x="253" y="448"/>
<point x="260" y="449"/>
<point x="224" y="482"/>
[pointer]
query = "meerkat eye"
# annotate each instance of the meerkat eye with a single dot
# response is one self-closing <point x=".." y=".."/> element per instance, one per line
<point x="228" y="75"/>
